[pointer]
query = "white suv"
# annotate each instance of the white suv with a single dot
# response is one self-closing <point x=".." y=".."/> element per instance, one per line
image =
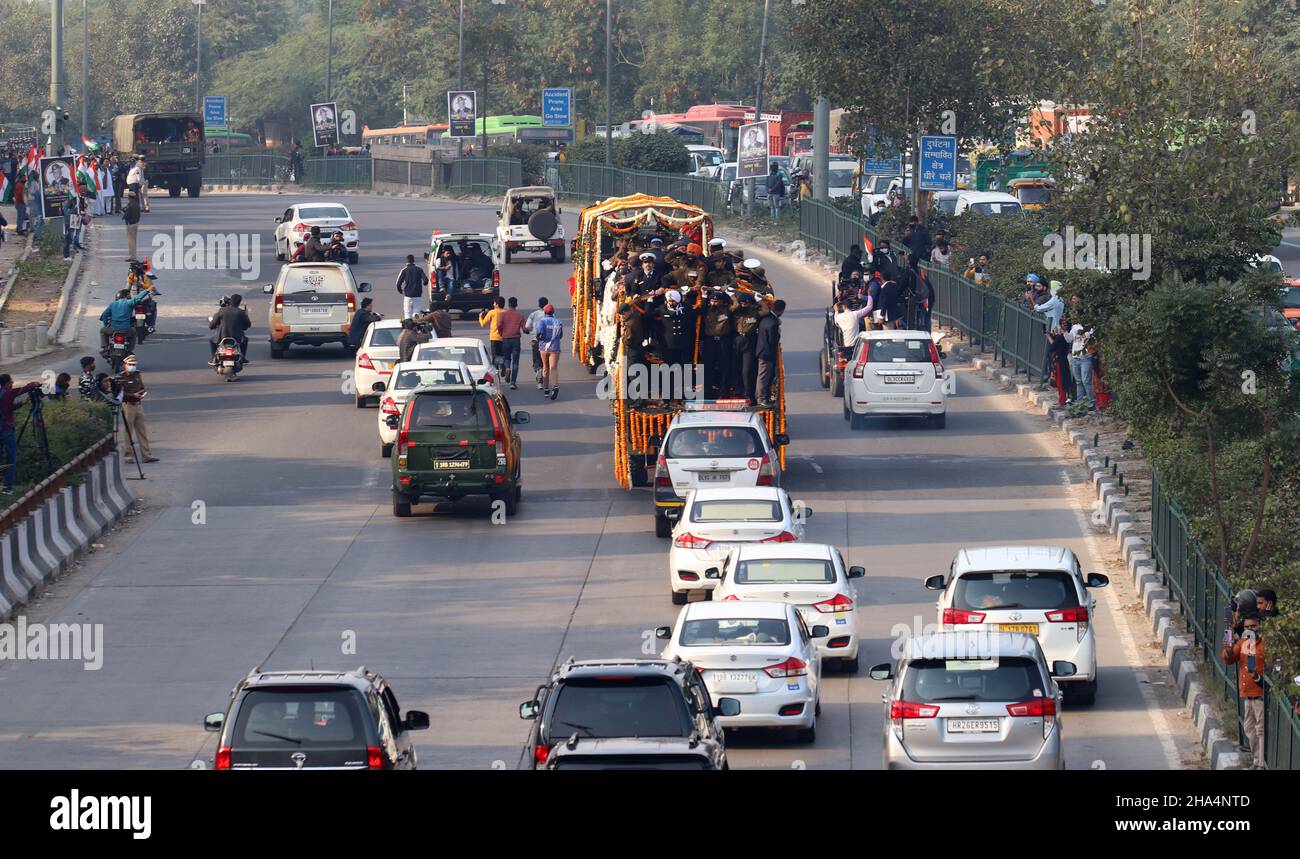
<point x="896" y="373"/>
<point x="712" y="450"/>
<point x="1038" y="590"/>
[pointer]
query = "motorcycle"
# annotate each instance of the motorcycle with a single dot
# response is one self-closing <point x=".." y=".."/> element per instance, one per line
<point x="229" y="361"/>
<point x="140" y="276"/>
<point x="119" y="346"/>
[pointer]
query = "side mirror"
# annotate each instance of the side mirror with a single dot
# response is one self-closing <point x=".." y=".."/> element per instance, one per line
<point x="363" y="287"/>
<point x="934" y="583"/>
<point x="277" y="220"/>
<point x="883" y="671"/>
<point x="416" y="720"/>
<point x="214" y="722"/>
<point x="1097" y="580"/>
<point x="664" y="632"/>
<point x="857" y="572"/>
<point x="820" y="631"/>
<point x="498" y="213"/>
<point x="781" y="439"/>
<point x="391" y="421"/>
<point x="727" y="707"/>
<point x="378" y="387"/>
<point x="802" y="512"/>
<point x="268" y="288"/>
<point x="520" y="417"/>
<point x="1061" y="668"/>
<point x="529" y="709"/>
<point x="712" y="573"/>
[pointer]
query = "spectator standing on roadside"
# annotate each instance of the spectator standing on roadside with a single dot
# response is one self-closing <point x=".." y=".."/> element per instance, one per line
<point x="35" y="204"/>
<point x="1266" y="602"/>
<point x="941" y="253"/>
<point x="876" y="213"/>
<point x="1058" y="362"/>
<point x="919" y="242"/>
<point x="410" y="284"/>
<point x="1081" y="363"/>
<point x="978" y="270"/>
<point x="775" y="190"/>
<point x="1247" y="653"/>
<point x="8" y="438"/>
<point x="20" y="206"/>
<point x="62" y="383"/>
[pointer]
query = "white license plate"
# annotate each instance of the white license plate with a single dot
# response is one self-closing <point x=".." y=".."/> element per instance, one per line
<point x="451" y="463"/>
<point x="973" y="726"/>
<point x="899" y="380"/>
<point x="314" y="311"/>
<point x="537" y="244"/>
<point x="734" y="681"/>
<point x="714" y="476"/>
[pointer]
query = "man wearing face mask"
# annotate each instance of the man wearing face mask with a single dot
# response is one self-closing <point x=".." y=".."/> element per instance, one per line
<point x="133" y="394"/>
<point x="1247" y="653"/>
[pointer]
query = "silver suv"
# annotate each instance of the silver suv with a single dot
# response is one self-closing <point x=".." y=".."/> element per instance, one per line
<point x="972" y="700"/>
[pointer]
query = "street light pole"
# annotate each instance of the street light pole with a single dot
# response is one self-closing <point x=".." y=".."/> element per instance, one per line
<point x="460" y="70"/>
<point x="85" y="72"/>
<point x="609" y="129"/>
<point x="329" y="50"/>
<point x="758" y="106"/>
<point x="198" y="55"/>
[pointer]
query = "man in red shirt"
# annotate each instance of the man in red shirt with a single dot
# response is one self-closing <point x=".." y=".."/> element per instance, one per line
<point x="511" y="324"/>
<point x="8" y="393"/>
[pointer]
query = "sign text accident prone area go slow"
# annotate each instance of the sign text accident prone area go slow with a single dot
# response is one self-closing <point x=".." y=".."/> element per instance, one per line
<point x="938" y="163"/>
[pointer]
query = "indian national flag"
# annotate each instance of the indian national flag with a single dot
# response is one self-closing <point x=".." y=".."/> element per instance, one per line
<point x="87" y="186"/>
<point x="6" y="189"/>
<point x="91" y="146"/>
<point x="33" y="163"/>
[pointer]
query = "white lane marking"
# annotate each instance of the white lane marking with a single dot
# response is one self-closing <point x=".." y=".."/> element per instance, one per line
<point x="1127" y="642"/>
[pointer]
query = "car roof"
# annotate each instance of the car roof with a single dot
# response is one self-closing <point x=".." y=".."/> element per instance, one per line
<point x="698" y="419"/>
<point x="892" y="334"/>
<point x="970" y="645"/>
<point x="736" y="608"/>
<point x="751" y="551"/>
<point x="387" y="323"/>
<point x="358" y="678"/>
<point x="1014" y="558"/>
<point x="987" y="197"/>
<point x="574" y="668"/>
<point x="739" y="493"/>
<point x="453" y="341"/>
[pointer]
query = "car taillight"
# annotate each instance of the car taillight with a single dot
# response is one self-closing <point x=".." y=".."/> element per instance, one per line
<point x="934" y="359"/>
<point x="860" y="367"/>
<point x="389" y="406"/>
<point x="792" y="667"/>
<point x="839" y="602"/>
<point x="489" y="378"/>
<point x="301" y="228"/>
<point x="1078" y="615"/>
<point x="910" y="710"/>
<point x="730" y="598"/>
<point x="352" y="303"/>
<point x="364" y="362"/>
<point x="541" y="753"/>
<point x="496" y="279"/>
<point x="766" y="473"/>
<point x="690" y="541"/>
<point x="1035" y="707"/>
<point x="662" y="477"/>
<point x="783" y="537"/>
<point x="223" y="759"/>
<point x="279" y="304"/>
<point x="375" y="758"/>
<point x="498" y="431"/>
<point x="350" y="225"/>
<point x="956" y="615"/>
<point x="403" y="437"/>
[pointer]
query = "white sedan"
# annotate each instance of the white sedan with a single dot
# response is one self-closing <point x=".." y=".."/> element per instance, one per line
<point x="809" y="576"/>
<point x="406" y="378"/>
<point x="375" y="359"/>
<point x="714" y="520"/>
<point x="294" y="226"/>
<point x="470" y="351"/>
<point x="760" y="653"/>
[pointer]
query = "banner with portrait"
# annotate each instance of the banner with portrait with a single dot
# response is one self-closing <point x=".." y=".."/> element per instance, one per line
<point x="325" y="123"/>
<point x="57" y="185"/>
<point x="462" y="112"/>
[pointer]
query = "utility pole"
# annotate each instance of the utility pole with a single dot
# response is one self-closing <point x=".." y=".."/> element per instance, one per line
<point x="482" y="114"/>
<point x="821" y="148"/>
<point x="609" y="129"/>
<point x="58" y="89"/>
<point x="460" y="72"/>
<point x="329" y="51"/>
<point x="85" y="72"/>
<point x="758" y="108"/>
<point x="198" y="56"/>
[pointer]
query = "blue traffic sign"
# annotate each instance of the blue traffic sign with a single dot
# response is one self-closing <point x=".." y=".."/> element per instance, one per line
<point x="557" y="107"/>
<point x="882" y="166"/>
<point x="938" y="163"/>
<point x="214" y="110"/>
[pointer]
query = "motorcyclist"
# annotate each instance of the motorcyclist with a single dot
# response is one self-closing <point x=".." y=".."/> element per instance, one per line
<point x="137" y="276"/>
<point x="230" y="321"/>
<point x="117" y="317"/>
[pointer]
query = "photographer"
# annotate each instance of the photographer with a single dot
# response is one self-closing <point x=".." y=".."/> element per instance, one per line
<point x="231" y="320"/>
<point x="1247" y="652"/>
<point x="361" y="321"/>
<point x="410" y="337"/>
<point x="8" y="393"/>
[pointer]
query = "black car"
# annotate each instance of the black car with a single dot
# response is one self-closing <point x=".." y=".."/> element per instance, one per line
<point x="314" y="720"/>
<point x="476" y="254"/>
<point x="661" y="700"/>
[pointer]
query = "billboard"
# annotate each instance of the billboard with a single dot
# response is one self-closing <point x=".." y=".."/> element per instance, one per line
<point x="462" y="112"/>
<point x="325" y="123"/>
<point x="751" y="151"/>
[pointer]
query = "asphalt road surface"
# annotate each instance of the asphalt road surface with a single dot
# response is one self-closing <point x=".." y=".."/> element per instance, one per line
<point x="267" y="536"/>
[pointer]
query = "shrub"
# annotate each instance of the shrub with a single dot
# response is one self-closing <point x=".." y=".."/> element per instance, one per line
<point x="531" y="156"/>
<point x="71" y="425"/>
<point x="660" y="152"/>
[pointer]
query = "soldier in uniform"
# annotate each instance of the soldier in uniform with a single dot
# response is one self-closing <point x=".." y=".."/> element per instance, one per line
<point x="744" y="366"/>
<point x="716" y="346"/>
<point x="719" y="274"/>
<point x="676" y="320"/>
<point x="633" y="331"/>
<point x="647" y="279"/>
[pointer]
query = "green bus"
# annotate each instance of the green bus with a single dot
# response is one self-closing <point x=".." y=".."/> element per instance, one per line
<point x="511" y="128"/>
<point x="227" y="139"/>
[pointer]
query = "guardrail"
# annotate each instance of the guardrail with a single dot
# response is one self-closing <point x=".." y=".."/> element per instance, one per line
<point x="338" y="171"/>
<point x="591" y="182"/>
<point x="1204" y="597"/>
<point x="50" y="486"/>
<point x="478" y="175"/>
<point x="253" y="168"/>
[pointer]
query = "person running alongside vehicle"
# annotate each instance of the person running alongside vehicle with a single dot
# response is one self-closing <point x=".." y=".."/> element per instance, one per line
<point x="410" y="285"/>
<point x="530" y="327"/>
<point x="510" y="322"/>
<point x="550" y="333"/>
<point x="491" y="320"/>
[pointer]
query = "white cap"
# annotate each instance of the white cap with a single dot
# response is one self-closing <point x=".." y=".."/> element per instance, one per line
<point x="752" y="263"/>
<point x="673" y="295"/>
<point x="717" y="243"/>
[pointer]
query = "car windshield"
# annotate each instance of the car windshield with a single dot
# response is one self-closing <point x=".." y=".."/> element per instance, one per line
<point x="1033" y="194"/>
<point x="312" y="213"/>
<point x="319" y="279"/>
<point x="898" y="351"/>
<point x="720" y="632"/>
<point x="1271" y="266"/>
<point x="299" y="718"/>
<point x="947" y="205"/>
<point x="437" y="352"/>
<point x="619" y="707"/>
<point x="450" y="410"/>
<point x="1000" y="208"/>
<point x="694" y="442"/>
<point x="935" y="681"/>
<point x="841" y="178"/>
<point x="737" y="511"/>
<point x="729" y="172"/>
<point x="384" y="336"/>
<point x="711" y="159"/>
<point x="878" y="184"/>
<point x="1039" y="590"/>
<point x="784" y="571"/>
<point x="407" y="379"/>
<point x="1291" y="297"/>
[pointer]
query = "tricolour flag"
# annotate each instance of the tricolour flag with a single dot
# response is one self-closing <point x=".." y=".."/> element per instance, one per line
<point x="6" y="189"/>
<point x="90" y="145"/>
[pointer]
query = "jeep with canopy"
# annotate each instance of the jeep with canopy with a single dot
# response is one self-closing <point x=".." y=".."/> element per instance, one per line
<point x="529" y="222"/>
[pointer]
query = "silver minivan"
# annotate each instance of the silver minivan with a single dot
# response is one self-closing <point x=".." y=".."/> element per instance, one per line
<point x="972" y="700"/>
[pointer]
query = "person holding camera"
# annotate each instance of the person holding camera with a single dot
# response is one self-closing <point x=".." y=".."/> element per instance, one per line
<point x="410" y="337"/>
<point x="1246" y="651"/>
<point x="361" y="321"/>
<point x="8" y="394"/>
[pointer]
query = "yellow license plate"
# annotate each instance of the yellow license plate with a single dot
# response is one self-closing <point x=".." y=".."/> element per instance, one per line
<point x="1031" y="628"/>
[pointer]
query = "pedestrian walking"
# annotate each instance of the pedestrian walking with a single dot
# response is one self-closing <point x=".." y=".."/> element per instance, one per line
<point x="550" y="331"/>
<point x="1246" y="651"/>
<point x="767" y="348"/>
<point x="133" y="394"/>
<point x="410" y="284"/>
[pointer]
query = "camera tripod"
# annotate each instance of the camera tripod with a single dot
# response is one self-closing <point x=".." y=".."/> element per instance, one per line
<point x="130" y="437"/>
<point x="42" y="440"/>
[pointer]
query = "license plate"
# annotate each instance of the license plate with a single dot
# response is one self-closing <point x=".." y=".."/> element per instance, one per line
<point x="537" y="244"/>
<point x="899" y="380"/>
<point x="714" y="476"/>
<point x="734" y="681"/>
<point x="451" y="463"/>
<point x="973" y="726"/>
<point x="314" y="311"/>
<point x="1031" y="628"/>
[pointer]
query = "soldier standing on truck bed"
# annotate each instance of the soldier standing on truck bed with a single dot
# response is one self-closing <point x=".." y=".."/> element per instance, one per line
<point x="744" y="367"/>
<point x="675" y="317"/>
<point x="717" y="345"/>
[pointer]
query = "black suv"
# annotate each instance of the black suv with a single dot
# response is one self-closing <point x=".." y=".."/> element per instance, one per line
<point x="592" y="701"/>
<point x="311" y="720"/>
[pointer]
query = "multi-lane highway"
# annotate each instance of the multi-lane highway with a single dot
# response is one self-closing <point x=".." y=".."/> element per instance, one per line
<point x="267" y="537"/>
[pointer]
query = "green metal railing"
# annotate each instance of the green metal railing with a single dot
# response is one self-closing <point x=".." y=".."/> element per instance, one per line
<point x="829" y="229"/>
<point x="253" y="168"/>
<point x="1204" y="599"/>
<point x="593" y="182"/>
<point x="477" y="175"/>
<point x="338" y="171"/>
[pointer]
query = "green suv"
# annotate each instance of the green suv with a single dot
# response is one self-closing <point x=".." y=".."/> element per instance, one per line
<point x="453" y="441"/>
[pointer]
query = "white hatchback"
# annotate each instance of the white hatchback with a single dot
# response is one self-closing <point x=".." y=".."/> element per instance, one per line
<point x="896" y="373"/>
<point x="714" y="520"/>
<point x="760" y="653"/>
<point x="810" y="576"/>
<point x="404" y="380"/>
<point x="375" y="359"/>
<point x="1037" y="590"/>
